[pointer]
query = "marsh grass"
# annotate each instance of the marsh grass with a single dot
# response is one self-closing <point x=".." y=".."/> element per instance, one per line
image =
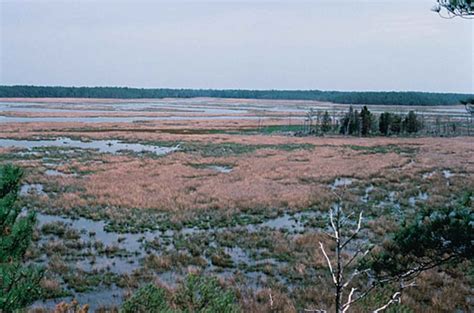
<point x="218" y="224"/>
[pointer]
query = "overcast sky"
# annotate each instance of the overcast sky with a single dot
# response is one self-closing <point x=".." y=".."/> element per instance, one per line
<point x="328" y="45"/>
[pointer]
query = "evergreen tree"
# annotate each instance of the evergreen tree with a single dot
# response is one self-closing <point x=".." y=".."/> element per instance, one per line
<point x="384" y="123"/>
<point x="326" y="122"/>
<point x="346" y="122"/>
<point x="434" y="237"/>
<point x="354" y="127"/>
<point x="19" y="285"/>
<point x="350" y="124"/>
<point x="396" y="124"/>
<point x="411" y="124"/>
<point x="366" y="121"/>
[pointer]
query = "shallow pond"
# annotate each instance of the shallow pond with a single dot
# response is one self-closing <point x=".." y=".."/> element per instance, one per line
<point x="447" y="174"/>
<point x="107" y="297"/>
<point x="428" y="175"/>
<point x="220" y="169"/>
<point x="27" y="189"/>
<point x="365" y="197"/>
<point x="103" y="146"/>
<point x="132" y="248"/>
<point x="341" y="182"/>
<point x="422" y="196"/>
<point x="116" y="119"/>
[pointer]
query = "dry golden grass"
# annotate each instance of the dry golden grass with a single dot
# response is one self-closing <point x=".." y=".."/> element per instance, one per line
<point x="440" y="291"/>
<point x="259" y="180"/>
<point x="263" y="179"/>
<point x="266" y="178"/>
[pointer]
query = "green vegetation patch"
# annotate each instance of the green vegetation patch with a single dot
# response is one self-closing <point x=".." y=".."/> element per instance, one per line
<point x="81" y="281"/>
<point x="280" y="129"/>
<point x="196" y="294"/>
<point x="384" y="149"/>
<point x="232" y="149"/>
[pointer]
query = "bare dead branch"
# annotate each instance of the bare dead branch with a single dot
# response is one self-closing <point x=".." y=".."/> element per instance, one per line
<point x="356" y="255"/>
<point x="394" y="299"/>
<point x="271" y="298"/>
<point x="354" y="275"/>
<point x="329" y="263"/>
<point x="331" y="218"/>
<point x="347" y="305"/>
<point x="355" y="233"/>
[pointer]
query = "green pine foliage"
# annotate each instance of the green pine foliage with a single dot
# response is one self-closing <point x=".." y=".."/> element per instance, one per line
<point x="197" y="293"/>
<point x="350" y="123"/>
<point x="390" y="124"/>
<point x="411" y="123"/>
<point x="396" y="124"/>
<point x="366" y="121"/>
<point x="435" y="237"/>
<point x="149" y="298"/>
<point x="326" y="122"/>
<point x="205" y="294"/>
<point x="385" y="120"/>
<point x="19" y="285"/>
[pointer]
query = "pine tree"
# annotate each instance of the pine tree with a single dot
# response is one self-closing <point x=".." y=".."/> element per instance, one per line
<point x="354" y="128"/>
<point x="384" y="123"/>
<point x="396" y="124"/>
<point x="346" y="122"/>
<point x="411" y="122"/>
<point x="19" y="285"/>
<point x="366" y="121"/>
<point x="350" y="124"/>
<point x="326" y="122"/>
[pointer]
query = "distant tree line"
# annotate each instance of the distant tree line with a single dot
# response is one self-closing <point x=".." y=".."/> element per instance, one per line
<point x="345" y="97"/>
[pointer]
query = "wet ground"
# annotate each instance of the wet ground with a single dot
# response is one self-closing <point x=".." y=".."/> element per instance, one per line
<point x="100" y="111"/>
<point x="102" y="146"/>
<point x="90" y="248"/>
<point x="99" y="254"/>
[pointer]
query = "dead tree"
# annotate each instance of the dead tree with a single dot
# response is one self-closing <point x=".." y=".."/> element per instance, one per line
<point x="342" y="276"/>
<point x="469" y="105"/>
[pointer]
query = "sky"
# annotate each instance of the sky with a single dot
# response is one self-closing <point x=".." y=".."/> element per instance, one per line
<point x="328" y="45"/>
